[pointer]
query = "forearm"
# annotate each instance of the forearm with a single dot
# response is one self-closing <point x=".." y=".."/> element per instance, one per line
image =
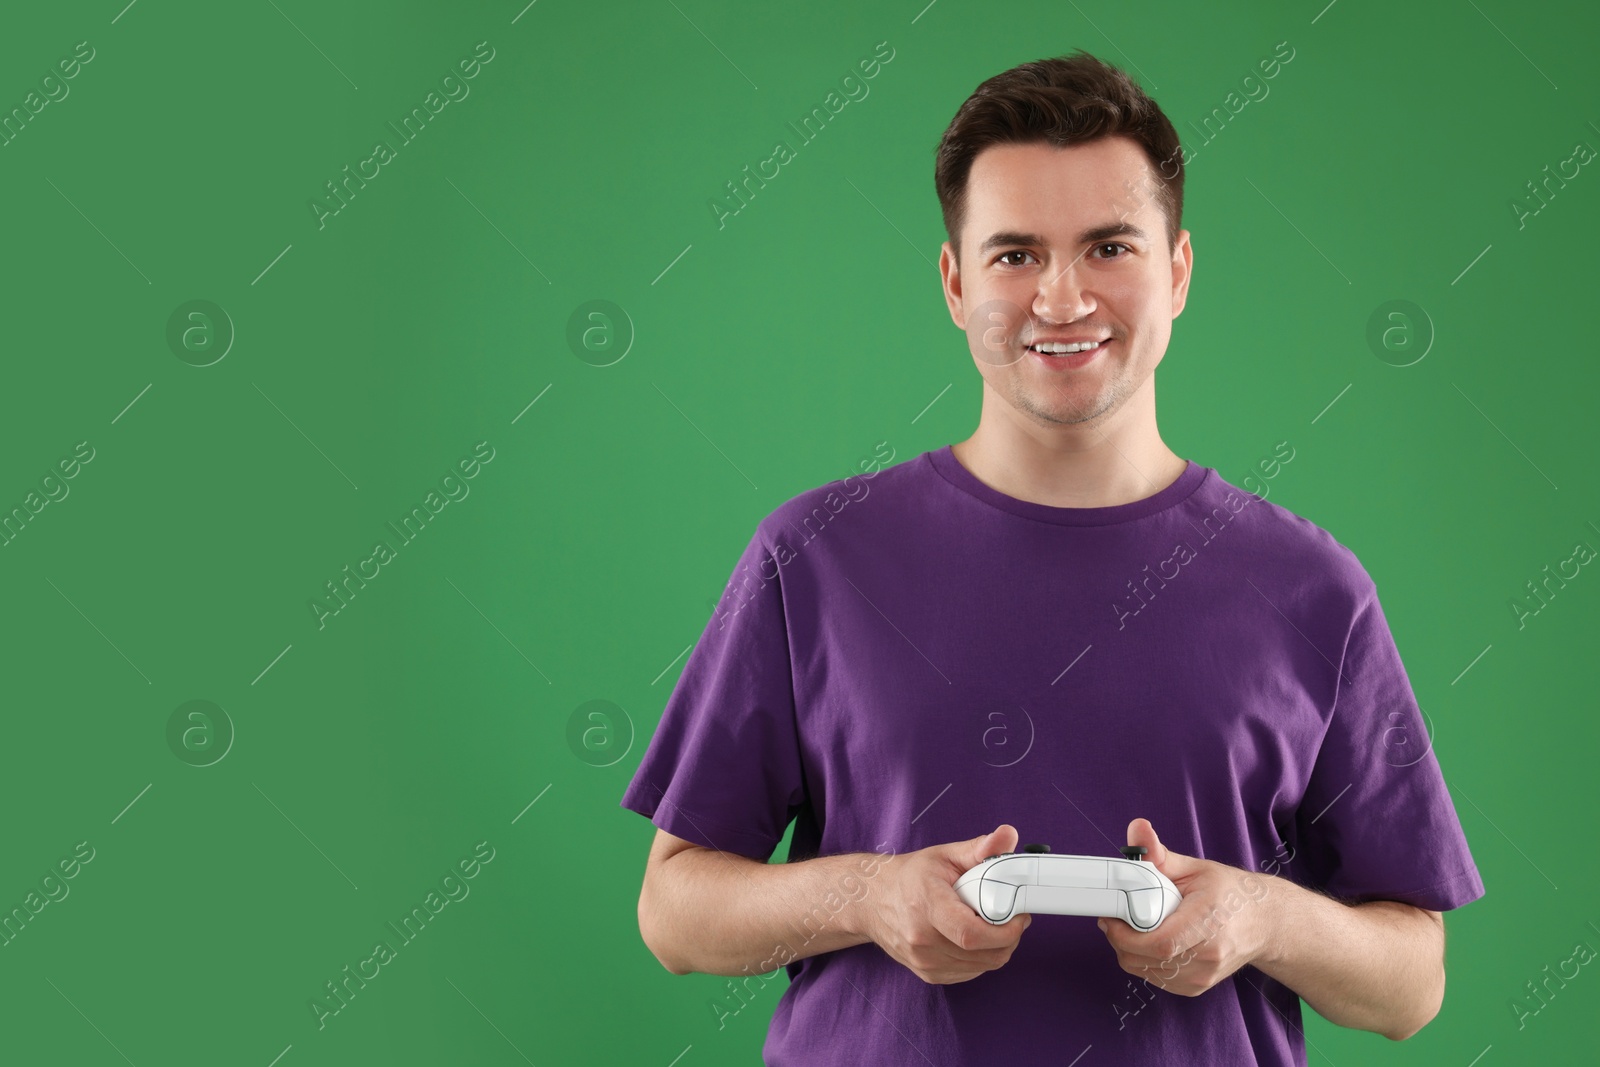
<point x="1377" y="966"/>
<point x="725" y="914"/>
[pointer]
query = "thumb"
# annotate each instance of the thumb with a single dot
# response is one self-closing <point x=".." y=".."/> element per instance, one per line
<point x="1002" y="839"/>
<point x="1174" y="865"/>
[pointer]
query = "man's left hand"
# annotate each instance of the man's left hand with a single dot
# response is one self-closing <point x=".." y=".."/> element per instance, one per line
<point x="1225" y="921"/>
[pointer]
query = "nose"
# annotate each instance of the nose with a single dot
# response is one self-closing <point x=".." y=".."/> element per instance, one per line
<point x="1063" y="294"/>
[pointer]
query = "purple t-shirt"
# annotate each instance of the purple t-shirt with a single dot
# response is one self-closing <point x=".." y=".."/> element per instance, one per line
<point x="912" y="658"/>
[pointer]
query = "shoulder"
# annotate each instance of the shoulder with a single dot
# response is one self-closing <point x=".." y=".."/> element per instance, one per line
<point x="1284" y="548"/>
<point x="890" y="488"/>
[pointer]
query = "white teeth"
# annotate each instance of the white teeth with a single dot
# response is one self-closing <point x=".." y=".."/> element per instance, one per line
<point x="1061" y="349"/>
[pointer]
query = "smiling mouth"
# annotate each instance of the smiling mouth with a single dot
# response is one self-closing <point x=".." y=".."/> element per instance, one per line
<point x="1058" y="349"/>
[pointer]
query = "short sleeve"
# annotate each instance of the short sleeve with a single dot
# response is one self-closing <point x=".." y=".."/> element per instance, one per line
<point x="1377" y="821"/>
<point x="723" y="769"/>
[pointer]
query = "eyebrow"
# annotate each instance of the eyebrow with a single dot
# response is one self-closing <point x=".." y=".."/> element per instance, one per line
<point x="1089" y="236"/>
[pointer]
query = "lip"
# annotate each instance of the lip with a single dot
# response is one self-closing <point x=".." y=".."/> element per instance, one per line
<point x="1072" y="362"/>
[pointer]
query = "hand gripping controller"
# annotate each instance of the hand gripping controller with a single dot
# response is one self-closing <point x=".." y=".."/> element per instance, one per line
<point x="1038" y="882"/>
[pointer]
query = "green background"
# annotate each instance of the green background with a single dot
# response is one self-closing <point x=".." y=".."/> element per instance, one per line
<point x="768" y="355"/>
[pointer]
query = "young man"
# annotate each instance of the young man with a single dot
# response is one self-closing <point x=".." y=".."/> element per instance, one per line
<point x="1058" y="626"/>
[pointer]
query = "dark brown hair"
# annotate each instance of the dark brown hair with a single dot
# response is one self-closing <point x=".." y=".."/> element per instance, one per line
<point x="1063" y="101"/>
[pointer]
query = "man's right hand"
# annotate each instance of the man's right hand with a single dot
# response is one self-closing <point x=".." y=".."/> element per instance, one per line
<point x="917" y="918"/>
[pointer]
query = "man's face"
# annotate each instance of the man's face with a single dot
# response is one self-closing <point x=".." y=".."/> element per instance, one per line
<point x="1071" y="244"/>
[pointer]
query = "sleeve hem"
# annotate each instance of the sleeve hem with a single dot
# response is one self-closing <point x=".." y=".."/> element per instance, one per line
<point x="1453" y="892"/>
<point x="708" y="833"/>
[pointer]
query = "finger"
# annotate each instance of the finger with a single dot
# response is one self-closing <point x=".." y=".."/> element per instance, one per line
<point x="1141" y="832"/>
<point x="969" y="854"/>
<point x="1128" y="941"/>
<point x="1142" y="947"/>
<point x="967" y="931"/>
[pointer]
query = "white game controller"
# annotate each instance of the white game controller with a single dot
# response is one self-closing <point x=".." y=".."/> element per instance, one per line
<point x="1038" y="882"/>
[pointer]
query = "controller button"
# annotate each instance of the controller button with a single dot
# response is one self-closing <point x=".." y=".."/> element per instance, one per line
<point x="1144" y="905"/>
<point x="1036" y="848"/>
<point x="997" y="900"/>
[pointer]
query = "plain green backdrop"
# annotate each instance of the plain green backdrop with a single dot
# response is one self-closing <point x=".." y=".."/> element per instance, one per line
<point x="353" y="761"/>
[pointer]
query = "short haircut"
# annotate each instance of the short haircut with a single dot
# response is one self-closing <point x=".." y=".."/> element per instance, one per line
<point x="1063" y="101"/>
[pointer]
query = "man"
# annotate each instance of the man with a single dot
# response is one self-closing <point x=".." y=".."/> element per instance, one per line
<point x="1057" y="626"/>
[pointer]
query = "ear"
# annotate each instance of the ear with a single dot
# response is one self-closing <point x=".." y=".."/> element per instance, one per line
<point x="1182" y="269"/>
<point x="950" y="275"/>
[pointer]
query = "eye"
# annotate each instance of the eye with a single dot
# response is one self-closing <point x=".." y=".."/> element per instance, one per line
<point x="1113" y="244"/>
<point x="1015" y="252"/>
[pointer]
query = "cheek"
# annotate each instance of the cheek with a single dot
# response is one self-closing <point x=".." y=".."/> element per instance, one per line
<point x="995" y="374"/>
<point x="1157" y="333"/>
<point x="1145" y="306"/>
<point x="994" y="327"/>
<point x="1134" y="296"/>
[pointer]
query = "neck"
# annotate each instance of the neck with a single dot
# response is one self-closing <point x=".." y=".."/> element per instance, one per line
<point x="1071" y="465"/>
